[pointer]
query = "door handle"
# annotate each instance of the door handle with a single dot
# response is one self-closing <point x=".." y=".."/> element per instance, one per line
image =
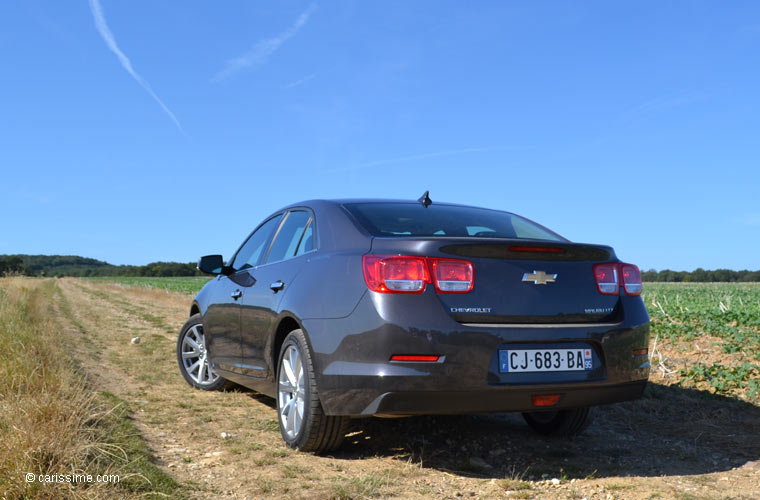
<point x="236" y="294"/>
<point x="277" y="286"/>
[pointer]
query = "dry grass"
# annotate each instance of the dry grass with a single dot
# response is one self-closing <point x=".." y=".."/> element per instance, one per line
<point x="44" y="413"/>
<point x="50" y="423"/>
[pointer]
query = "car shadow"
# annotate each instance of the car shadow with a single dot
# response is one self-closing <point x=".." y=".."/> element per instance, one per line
<point x="670" y="431"/>
<point x="256" y="396"/>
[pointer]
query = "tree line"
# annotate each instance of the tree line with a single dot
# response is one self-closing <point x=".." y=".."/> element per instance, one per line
<point x="74" y="265"/>
<point x="700" y="275"/>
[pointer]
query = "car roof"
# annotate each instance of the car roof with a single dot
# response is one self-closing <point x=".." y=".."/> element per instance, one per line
<point x="335" y="204"/>
<point x="343" y="201"/>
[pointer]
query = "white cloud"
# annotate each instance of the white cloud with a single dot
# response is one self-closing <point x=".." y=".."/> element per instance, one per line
<point x="105" y="32"/>
<point x="752" y="220"/>
<point x="422" y="156"/>
<point x="264" y="48"/>
<point x="300" y="82"/>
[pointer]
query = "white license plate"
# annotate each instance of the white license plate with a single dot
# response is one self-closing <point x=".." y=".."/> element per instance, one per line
<point x="545" y="360"/>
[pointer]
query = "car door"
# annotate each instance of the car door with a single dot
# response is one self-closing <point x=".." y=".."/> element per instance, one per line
<point x="221" y="325"/>
<point x="221" y="322"/>
<point x="272" y="280"/>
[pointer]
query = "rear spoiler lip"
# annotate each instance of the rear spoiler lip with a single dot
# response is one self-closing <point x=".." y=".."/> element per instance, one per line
<point x="496" y="248"/>
<point x="516" y="250"/>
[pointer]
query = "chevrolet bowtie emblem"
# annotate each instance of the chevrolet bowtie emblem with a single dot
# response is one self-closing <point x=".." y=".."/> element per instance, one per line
<point x="539" y="277"/>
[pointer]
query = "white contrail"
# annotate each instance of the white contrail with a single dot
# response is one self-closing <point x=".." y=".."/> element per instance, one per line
<point x="664" y="103"/>
<point x="105" y="32"/>
<point x="264" y="48"/>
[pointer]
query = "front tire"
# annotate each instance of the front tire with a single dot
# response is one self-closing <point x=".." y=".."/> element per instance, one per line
<point x="563" y="423"/>
<point x="303" y="424"/>
<point x="192" y="357"/>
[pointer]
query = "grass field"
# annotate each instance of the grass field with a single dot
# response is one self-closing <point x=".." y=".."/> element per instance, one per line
<point x="722" y="315"/>
<point x="188" y="285"/>
<point x="725" y="316"/>
<point x="76" y="389"/>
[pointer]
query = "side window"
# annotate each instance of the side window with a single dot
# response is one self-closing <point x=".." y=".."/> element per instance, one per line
<point x="251" y="251"/>
<point x="289" y="235"/>
<point x="525" y="229"/>
<point x="307" y="241"/>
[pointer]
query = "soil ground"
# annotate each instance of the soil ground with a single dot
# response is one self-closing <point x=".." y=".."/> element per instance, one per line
<point x="674" y="443"/>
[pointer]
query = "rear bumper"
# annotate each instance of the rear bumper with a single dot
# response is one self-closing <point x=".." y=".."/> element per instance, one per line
<point x="494" y="401"/>
<point x="355" y="376"/>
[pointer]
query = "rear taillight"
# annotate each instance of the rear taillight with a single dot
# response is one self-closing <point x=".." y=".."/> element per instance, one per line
<point x="606" y="276"/>
<point x="410" y="274"/>
<point x="609" y="276"/>
<point x="452" y="275"/>
<point x="395" y="274"/>
<point x="631" y="279"/>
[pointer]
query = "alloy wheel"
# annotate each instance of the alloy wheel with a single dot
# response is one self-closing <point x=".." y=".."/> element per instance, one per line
<point x="290" y="391"/>
<point x="195" y="357"/>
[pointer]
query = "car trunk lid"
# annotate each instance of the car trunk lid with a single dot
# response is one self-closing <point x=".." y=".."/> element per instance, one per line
<point x="519" y="281"/>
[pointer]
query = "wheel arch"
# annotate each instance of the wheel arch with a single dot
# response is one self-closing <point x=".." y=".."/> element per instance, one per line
<point x="195" y="309"/>
<point x="287" y="324"/>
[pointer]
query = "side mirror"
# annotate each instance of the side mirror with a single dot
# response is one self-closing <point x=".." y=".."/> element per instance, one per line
<point x="213" y="264"/>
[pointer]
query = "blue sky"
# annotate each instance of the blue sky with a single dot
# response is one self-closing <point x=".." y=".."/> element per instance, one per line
<point x="137" y="131"/>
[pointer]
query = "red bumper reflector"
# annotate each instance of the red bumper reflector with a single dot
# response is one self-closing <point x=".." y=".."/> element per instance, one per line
<point x="414" y="357"/>
<point x="545" y="399"/>
<point x="641" y="352"/>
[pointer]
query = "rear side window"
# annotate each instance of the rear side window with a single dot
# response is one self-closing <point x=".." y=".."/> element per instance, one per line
<point x="413" y="220"/>
<point x="289" y="236"/>
<point x="307" y="241"/>
<point x="251" y="251"/>
<point x="526" y="229"/>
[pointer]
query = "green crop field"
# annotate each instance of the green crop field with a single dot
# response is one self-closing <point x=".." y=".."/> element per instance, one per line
<point x="183" y="284"/>
<point x="712" y="332"/>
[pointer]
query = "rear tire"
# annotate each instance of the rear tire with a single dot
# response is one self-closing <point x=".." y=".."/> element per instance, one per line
<point x="562" y="423"/>
<point x="192" y="358"/>
<point x="303" y="424"/>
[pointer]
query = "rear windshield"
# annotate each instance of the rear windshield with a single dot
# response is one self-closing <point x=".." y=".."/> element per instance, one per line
<point x="413" y="219"/>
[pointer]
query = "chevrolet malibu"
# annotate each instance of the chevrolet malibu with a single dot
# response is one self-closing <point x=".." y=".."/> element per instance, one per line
<point x="351" y="308"/>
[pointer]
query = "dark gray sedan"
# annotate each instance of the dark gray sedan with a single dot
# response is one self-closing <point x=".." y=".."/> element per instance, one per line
<point x="352" y="308"/>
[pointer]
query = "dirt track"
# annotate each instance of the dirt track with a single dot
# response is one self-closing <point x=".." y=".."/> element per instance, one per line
<point x="674" y="443"/>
